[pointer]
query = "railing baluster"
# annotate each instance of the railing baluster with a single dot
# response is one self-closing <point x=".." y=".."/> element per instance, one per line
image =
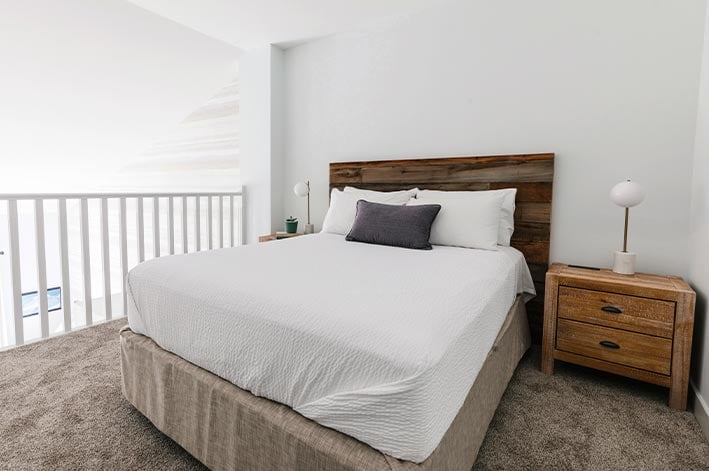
<point x="41" y="266"/>
<point x="209" y="222"/>
<point x="106" y="259"/>
<point x="221" y="222"/>
<point x="139" y="228"/>
<point x="170" y="225"/>
<point x="231" y="221"/>
<point x="197" y="230"/>
<point x="184" y="225"/>
<point x="14" y="240"/>
<point x="242" y="228"/>
<point x="123" y="231"/>
<point x="64" y="260"/>
<point x="229" y="227"/>
<point x="156" y="227"/>
<point x="86" y="259"/>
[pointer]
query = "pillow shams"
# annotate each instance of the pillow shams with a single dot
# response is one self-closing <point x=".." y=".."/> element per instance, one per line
<point x="466" y="222"/>
<point x="343" y="208"/>
<point x="507" y="211"/>
<point x="397" y="226"/>
<point x="369" y="194"/>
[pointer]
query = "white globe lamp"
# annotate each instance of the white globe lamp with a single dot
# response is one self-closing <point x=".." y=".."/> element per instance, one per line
<point x="626" y="194"/>
<point x="302" y="189"/>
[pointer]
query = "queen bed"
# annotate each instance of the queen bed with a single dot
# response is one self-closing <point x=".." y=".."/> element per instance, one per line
<point x="360" y="357"/>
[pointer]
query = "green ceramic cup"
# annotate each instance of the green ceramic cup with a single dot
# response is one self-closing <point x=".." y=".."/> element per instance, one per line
<point x="291" y="226"/>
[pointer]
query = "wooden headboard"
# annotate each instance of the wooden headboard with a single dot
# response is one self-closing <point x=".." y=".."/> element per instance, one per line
<point x="531" y="174"/>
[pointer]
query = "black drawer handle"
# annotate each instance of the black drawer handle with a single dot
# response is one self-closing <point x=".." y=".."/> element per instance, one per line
<point x="609" y="344"/>
<point x="611" y="309"/>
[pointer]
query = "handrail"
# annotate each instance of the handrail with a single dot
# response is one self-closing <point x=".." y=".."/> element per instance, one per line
<point x="132" y="194"/>
<point x="226" y="231"/>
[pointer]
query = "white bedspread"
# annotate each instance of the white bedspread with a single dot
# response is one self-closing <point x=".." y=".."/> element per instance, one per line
<point x="380" y="343"/>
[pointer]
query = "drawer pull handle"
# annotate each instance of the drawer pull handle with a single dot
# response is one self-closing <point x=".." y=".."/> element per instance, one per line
<point x="611" y="309"/>
<point x="609" y="344"/>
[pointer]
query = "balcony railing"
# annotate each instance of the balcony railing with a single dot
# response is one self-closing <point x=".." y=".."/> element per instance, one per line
<point x="178" y="223"/>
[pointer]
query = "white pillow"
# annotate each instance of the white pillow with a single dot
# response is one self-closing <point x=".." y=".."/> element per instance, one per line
<point x="471" y="222"/>
<point x="507" y="211"/>
<point x="343" y="208"/>
<point x="376" y="194"/>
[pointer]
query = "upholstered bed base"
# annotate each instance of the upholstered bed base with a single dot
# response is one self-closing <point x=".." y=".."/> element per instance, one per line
<point x="228" y="428"/>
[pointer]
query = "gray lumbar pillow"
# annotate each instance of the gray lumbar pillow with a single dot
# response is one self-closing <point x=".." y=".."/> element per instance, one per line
<point x="399" y="226"/>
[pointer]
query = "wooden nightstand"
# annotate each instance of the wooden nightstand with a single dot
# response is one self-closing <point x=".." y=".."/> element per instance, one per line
<point x="639" y="326"/>
<point x="278" y="236"/>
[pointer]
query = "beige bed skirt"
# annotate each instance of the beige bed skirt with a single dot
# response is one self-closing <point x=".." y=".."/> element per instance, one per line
<point x="228" y="428"/>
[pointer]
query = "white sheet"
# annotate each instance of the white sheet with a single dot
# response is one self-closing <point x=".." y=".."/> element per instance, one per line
<point x="380" y="343"/>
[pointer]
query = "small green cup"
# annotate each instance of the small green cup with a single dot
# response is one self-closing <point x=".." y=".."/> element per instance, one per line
<point x="291" y="225"/>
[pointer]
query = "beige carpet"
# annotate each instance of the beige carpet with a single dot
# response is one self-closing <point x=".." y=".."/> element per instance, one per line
<point x="61" y="409"/>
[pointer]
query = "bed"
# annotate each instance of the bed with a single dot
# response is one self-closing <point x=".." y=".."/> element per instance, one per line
<point x="364" y="357"/>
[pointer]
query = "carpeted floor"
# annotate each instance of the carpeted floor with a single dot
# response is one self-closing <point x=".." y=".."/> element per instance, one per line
<point x="61" y="408"/>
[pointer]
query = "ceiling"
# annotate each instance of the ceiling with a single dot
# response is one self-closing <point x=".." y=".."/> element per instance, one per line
<point x="250" y="23"/>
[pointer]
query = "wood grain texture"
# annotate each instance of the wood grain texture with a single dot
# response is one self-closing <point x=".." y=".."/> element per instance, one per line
<point x="615" y="368"/>
<point x="637" y="350"/>
<point x="550" y="317"/>
<point x="274" y="236"/>
<point x="682" y="349"/>
<point x="531" y="174"/>
<point x="654" y="329"/>
<point x="639" y="284"/>
<point x="646" y="316"/>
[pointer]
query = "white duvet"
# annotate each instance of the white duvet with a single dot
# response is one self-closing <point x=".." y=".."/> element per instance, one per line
<point x="380" y="343"/>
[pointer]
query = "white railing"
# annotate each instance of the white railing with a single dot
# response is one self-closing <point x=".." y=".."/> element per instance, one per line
<point x="166" y="237"/>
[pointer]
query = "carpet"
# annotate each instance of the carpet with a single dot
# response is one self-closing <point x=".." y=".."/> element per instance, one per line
<point x="62" y="408"/>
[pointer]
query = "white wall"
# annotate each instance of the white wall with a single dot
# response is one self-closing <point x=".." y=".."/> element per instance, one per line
<point x="262" y="140"/>
<point x="85" y="89"/>
<point x="86" y="86"/>
<point x="278" y="186"/>
<point x="699" y="242"/>
<point x="610" y="87"/>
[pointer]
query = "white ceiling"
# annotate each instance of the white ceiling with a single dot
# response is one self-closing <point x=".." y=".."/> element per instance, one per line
<point x="249" y="23"/>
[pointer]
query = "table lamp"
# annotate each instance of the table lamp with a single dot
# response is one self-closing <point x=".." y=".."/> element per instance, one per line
<point x="626" y="195"/>
<point x="303" y="189"/>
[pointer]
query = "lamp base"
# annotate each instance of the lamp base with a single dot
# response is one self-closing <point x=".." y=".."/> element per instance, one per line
<point x="309" y="229"/>
<point x="624" y="263"/>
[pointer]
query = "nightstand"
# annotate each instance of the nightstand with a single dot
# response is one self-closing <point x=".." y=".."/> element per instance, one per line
<point x="278" y="236"/>
<point x="639" y="326"/>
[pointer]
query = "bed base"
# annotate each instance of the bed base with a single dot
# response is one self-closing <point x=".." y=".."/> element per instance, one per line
<point x="228" y="428"/>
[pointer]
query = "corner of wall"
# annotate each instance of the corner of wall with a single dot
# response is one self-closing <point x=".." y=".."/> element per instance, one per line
<point x="698" y="232"/>
<point x="278" y="184"/>
<point x="261" y="134"/>
<point x="700" y="409"/>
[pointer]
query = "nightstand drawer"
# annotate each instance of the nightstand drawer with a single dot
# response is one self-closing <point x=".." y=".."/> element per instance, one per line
<point x="617" y="346"/>
<point x="647" y="316"/>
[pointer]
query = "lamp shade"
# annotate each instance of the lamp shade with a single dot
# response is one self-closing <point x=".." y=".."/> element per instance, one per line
<point x="627" y="194"/>
<point x="301" y="189"/>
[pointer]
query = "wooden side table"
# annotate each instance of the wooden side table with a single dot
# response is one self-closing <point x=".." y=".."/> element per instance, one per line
<point x="278" y="236"/>
<point x="639" y="326"/>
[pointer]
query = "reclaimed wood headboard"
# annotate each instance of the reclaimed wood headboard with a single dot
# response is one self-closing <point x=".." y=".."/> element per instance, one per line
<point x="531" y="174"/>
